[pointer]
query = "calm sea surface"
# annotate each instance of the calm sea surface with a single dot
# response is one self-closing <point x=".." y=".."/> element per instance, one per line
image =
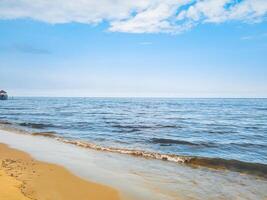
<point x="215" y="128"/>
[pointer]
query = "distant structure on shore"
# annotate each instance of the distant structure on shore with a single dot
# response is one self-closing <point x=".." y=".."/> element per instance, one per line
<point x="3" y="95"/>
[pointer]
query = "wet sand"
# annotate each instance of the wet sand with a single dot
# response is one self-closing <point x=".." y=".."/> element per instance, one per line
<point x="136" y="177"/>
<point x="23" y="178"/>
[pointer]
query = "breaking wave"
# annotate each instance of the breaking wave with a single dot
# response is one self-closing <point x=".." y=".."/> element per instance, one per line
<point x="45" y="134"/>
<point x="193" y="161"/>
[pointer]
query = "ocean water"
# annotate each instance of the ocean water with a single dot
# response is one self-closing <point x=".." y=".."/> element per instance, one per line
<point x="142" y="179"/>
<point x="211" y="128"/>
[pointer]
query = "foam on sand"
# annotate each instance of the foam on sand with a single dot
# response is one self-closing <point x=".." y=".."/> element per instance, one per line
<point x="139" y="178"/>
<point x="256" y="169"/>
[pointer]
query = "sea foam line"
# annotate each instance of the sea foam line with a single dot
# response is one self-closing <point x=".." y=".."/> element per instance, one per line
<point x="257" y="169"/>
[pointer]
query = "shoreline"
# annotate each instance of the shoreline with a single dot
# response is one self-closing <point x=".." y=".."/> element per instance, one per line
<point x="137" y="177"/>
<point x="243" y="167"/>
<point x="23" y="177"/>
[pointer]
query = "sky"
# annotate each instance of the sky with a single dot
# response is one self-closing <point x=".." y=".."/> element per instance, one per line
<point x="141" y="48"/>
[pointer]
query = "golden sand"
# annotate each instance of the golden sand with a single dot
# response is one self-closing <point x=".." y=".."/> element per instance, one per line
<point x="10" y="188"/>
<point x="23" y="178"/>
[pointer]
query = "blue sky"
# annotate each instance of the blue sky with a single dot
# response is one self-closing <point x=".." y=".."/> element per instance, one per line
<point x="182" y="53"/>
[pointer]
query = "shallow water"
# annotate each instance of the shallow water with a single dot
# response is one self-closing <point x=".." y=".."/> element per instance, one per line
<point x="214" y="128"/>
<point x="193" y="132"/>
<point x="139" y="178"/>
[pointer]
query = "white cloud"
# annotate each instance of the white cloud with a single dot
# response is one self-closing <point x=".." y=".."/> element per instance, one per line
<point x="137" y="16"/>
<point x="218" y="11"/>
<point x="158" y="17"/>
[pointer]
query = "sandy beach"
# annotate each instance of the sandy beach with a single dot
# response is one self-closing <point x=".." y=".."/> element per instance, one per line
<point x="38" y="167"/>
<point x="23" y="178"/>
<point x="133" y="100"/>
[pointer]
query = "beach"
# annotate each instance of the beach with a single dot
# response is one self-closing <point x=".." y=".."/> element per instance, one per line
<point x="23" y="177"/>
<point x="133" y="100"/>
<point x="138" y="149"/>
<point x="129" y="177"/>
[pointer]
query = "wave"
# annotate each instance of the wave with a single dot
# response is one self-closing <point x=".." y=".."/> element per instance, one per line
<point x="35" y="125"/>
<point x="5" y="122"/>
<point x="257" y="169"/>
<point x="45" y="134"/>
<point x="29" y="124"/>
<point x="193" y="161"/>
<point x="252" y="127"/>
<point x="261" y="109"/>
<point x="133" y="130"/>
<point x="247" y="144"/>
<point x="131" y="126"/>
<point x="220" y="132"/>
<point x="14" y="108"/>
<point x="171" y="141"/>
<point x="144" y="127"/>
<point x="164" y="141"/>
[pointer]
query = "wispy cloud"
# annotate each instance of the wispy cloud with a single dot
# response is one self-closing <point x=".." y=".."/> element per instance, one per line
<point x="138" y="16"/>
<point x="24" y="48"/>
<point x="249" y="37"/>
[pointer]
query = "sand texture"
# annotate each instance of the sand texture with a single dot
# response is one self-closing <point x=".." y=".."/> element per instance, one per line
<point x="24" y="178"/>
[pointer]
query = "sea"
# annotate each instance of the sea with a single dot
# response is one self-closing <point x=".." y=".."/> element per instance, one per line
<point x="216" y="132"/>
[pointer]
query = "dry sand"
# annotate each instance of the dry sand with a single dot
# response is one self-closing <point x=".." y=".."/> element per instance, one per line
<point x="23" y="178"/>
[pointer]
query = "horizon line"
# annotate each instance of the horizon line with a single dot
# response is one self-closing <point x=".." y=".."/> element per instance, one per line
<point x="159" y="97"/>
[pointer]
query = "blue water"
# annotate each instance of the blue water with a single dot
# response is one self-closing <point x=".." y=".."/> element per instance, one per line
<point x="216" y="128"/>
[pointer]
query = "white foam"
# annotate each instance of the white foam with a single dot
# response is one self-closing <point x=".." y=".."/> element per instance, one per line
<point x="139" y="178"/>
